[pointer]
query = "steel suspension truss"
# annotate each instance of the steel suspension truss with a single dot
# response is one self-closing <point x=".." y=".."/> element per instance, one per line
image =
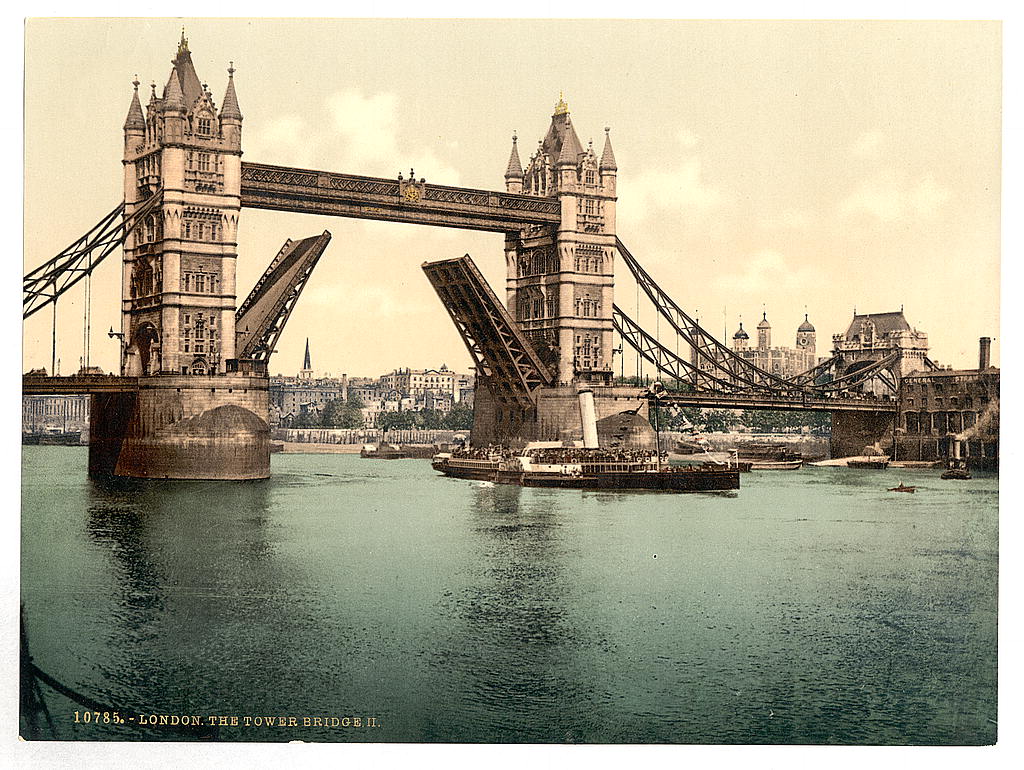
<point x="261" y="318"/>
<point x="719" y="369"/>
<point x="46" y="283"/>
<point x="666" y="361"/>
<point x="711" y="354"/>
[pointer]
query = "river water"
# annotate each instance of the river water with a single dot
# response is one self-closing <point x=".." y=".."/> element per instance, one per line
<point x="812" y="606"/>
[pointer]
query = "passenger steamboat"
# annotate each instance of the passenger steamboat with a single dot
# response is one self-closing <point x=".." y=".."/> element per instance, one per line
<point x="546" y="464"/>
<point x="585" y="465"/>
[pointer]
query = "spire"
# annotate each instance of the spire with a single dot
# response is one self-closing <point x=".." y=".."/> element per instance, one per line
<point x="173" y="98"/>
<point x="571" y="148"/>
<point x="188" y="81"/>
<point x="135" y="118"/>
<point x="608" y="157"/>
<point x="764" y="321"/>
<point x="230" y="107"/>
<point x="515" y="168"/>
<point x="306" y="362"/>
<point x="561" y="108"/>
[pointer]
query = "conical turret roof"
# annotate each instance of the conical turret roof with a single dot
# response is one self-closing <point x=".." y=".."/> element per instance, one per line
<point x="608" y="157"/>
<point x="515" y="168"/>
<point x="173" y="97"/>
<point x="806" y="326"/>
<point x="230" y="108"/>
<point x="561" y="141"/>
<point x="191" y="88"/>
<point x="740" y="334"/>
<point x="764" y="322"/>
<point x="135" y="118"/>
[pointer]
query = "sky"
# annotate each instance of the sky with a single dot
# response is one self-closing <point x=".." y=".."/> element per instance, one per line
<point x="776" y="167"/>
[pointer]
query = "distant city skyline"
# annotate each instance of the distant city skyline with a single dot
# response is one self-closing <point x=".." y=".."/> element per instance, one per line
<point x="786" y="167"/>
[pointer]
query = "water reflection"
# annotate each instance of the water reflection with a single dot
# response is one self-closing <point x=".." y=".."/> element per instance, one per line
<point x="513" y="643"/>
<point x="191" y="566"/>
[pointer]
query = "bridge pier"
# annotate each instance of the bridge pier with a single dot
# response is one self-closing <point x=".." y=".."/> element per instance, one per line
<point x="557" y="417"/>
<point x="183" y="427"/>
<point x="854" y="430"/>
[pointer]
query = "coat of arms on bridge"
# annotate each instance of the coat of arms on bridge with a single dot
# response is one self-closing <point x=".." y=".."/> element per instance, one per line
<point x="411" y="190"/>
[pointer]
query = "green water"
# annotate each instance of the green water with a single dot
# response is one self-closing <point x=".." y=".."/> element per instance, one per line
<point x="812" y="606"/>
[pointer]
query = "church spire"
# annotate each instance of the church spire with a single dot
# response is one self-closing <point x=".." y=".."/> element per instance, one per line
<point x="306" y="364"/>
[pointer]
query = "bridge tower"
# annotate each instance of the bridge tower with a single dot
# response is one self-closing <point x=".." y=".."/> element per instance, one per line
<point x="199" y="412"/>
<point x="178" y="283"/>
<point x="561" y="281"/>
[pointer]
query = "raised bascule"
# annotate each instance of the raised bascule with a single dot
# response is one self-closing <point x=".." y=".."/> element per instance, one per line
<point x="191" y="401"/>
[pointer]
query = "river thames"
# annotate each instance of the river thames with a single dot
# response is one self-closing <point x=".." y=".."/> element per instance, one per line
<point x="811" y="606"/>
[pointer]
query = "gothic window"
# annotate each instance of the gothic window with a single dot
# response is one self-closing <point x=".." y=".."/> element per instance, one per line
<point x="590" y="177"/>
<point x="188" y="229"/>
<point x="204" y="127"/>
<point x="204" y="161"/>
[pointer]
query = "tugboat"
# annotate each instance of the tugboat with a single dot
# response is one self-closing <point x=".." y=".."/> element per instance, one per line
<point x="550" y="464"/>
<point x="957" y="469"/>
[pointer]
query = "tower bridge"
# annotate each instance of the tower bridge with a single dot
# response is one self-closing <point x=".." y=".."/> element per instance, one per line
<point x="191" y="398"/>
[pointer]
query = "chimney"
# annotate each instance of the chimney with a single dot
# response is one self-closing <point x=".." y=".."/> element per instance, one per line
<point x="984" y="352"/>
<point x="588" y="416"/>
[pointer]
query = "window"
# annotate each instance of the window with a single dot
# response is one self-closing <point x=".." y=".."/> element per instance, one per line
<point x="204" y="161"/>
<point x="204" y="126"/>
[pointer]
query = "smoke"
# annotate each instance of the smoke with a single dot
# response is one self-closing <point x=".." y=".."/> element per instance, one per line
<point x="987" y="426"/>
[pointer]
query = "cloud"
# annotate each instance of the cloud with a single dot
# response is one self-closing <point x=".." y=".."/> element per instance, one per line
<point x="768" y="270"/>
<point x="360" y="133"/>
<point x="283" y="140"/>
<point x="674" y="190"/>
<point x="889" y="198"/>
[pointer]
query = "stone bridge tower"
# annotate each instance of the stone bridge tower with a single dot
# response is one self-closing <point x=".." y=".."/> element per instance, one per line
<point x="560" y="282"/>
<point x="178" y="283"/>
<point x="196" y="414"/>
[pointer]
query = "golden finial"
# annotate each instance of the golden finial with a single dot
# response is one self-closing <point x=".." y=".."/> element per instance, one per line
<point x="561" y="108"/>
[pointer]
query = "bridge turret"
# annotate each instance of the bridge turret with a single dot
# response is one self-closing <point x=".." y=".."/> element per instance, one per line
<point x="514" y="171"/>
<point x="173" y="108"/>
<point x="230" y="114"/>
<point x="609" y="169"/>
<point x="135" y="123"/>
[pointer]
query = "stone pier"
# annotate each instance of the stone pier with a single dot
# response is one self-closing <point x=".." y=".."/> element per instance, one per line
<point x="183" y="427"/>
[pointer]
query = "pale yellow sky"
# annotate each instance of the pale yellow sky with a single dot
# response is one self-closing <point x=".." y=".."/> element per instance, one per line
<point x="775" y="165"/>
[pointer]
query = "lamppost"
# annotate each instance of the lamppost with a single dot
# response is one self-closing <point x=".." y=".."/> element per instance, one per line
<point x="120" y="336"/>
<point x="656" y="391"/>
